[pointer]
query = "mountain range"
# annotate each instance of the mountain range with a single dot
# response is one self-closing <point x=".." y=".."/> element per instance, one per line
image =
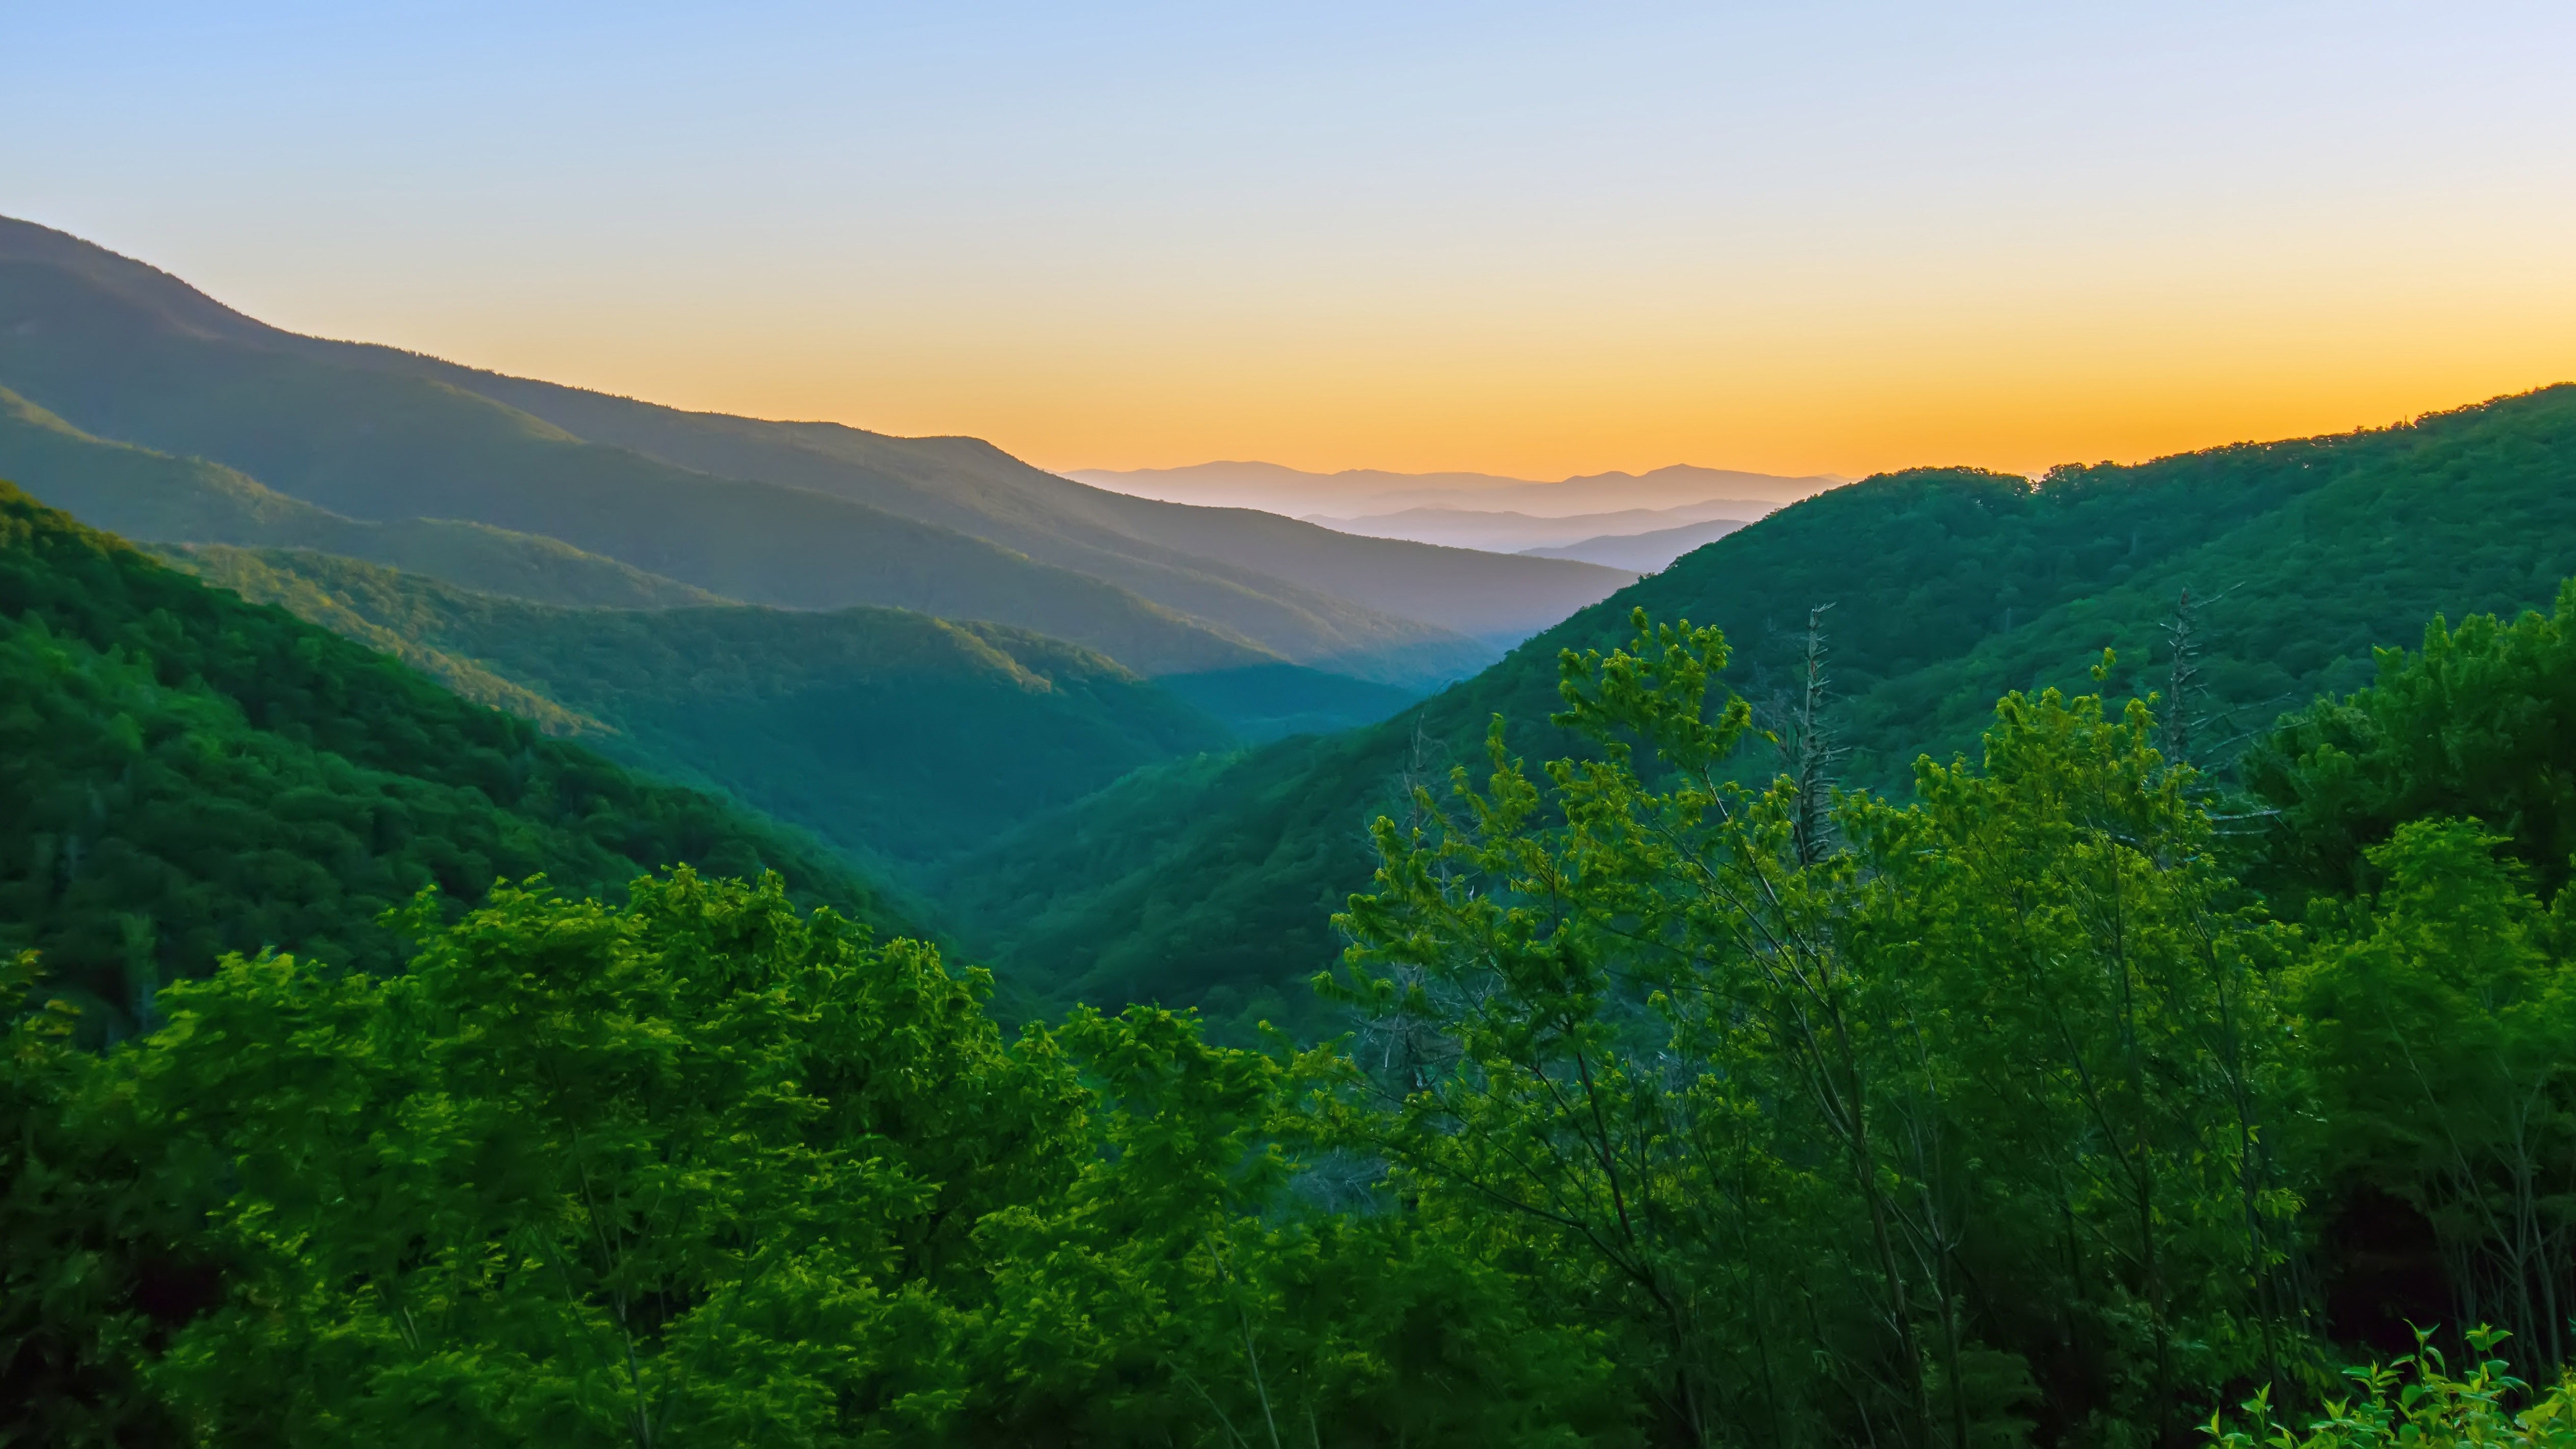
<point x="184" y="773"/>
<point x="1125" y="749"/>
<point x="895" y="736"/>
<point x="799" y="515"/>
<point x="1509" y="532"/>
<point x="569" y="866"/>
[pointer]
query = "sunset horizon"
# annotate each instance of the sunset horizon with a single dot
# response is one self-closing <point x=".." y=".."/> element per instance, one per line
<point x="1540" y="246"/>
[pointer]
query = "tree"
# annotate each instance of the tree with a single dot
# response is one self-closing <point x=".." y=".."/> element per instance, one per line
<point x="1792" y="1115"/>
<point x="697" y="1168"/>
<point x="2439" y="1012"/>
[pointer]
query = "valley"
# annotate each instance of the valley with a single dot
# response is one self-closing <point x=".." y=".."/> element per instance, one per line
<point x="923" y="949"/>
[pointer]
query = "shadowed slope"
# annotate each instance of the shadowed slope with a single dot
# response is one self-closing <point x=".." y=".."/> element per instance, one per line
<point x="897" y="736"/>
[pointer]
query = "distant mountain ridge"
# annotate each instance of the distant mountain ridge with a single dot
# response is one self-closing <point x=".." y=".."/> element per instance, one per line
<point x="1530" y="533"/>
<point x="1279" y="489"/>
<point x="794" y="514"/>
<point x="1650" y="552"/>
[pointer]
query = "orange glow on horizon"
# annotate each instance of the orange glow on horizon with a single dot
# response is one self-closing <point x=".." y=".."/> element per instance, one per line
<point x="1807" y="411"/>
<point x="2014" y="360"/>
<point x="1533" y="241"/>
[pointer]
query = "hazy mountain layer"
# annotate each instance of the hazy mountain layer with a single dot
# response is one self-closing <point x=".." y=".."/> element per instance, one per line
<point x="381" y="445"/>
<point x="1212" y="882"/>
<point x="1294" y="587"/>
<point x="899" y="737"/>
<point x="1528" y="533"/>
<point x="1269" y="701"/>
<point x="1645" y="552"/>
<point x="1366" y="490"/>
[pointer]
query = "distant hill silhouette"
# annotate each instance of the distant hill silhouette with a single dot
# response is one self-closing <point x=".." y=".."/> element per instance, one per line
<point x="1530" y="533"/>
<point x="801" y="515"/>
<point x="1368" y="490"/>
<point x="1647" y="552"/>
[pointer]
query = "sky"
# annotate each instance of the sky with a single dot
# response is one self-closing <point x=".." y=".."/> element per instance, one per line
<point x="1529" y="240"/>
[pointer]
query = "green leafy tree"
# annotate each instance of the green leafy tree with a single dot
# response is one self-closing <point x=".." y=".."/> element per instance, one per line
<point x="95" y="1263"/>
<point x="1182" y="1292"/>
<point x="2479" y="722"/>
<point x="692" y="1169"/>
<point x="2438" y="1015"/>
<point x="1795" y="1117"/>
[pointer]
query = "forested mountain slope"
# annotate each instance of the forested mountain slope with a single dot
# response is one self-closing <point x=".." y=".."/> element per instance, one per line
<point x="899" y="737"/>
<point x="1212" y="562"/>
<point x="140" y="494"/>
<point x="748" y="509"/>
<point x="2007" y="1116"/>
<point x="380" y="445"/>
<point x="184" y="774"/>
<point x="1212" y="882"/>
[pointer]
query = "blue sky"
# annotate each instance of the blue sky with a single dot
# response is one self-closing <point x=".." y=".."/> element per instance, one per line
<point x="1533" y="239"/>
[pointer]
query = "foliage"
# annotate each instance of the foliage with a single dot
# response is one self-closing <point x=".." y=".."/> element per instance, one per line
<point x="2481" y="722"/>
<point x="2417" y="1401"/>
<point x="689" y="1170"/>
<point x="97" y="1261"/>
<point x="1845" y="1137"/>
<point x="2439" y="1013"/>
<point x="704" y="1168"/>
<point x="1682" y="1108"/>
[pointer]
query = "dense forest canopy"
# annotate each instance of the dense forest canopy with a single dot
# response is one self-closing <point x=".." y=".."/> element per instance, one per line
<point x="1673" y="1108"/>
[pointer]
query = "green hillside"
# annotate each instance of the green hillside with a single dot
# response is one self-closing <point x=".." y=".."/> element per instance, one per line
<point x="1269" y="701"/>
<point x="184" y="774"/>
<point x="1313" y="593"/>
<point x="891" y="734"/>
<point x="1212" y="882"/>
<point x="797" y="515"/>
<point x="378" y="445"/>
<point x="140" y="494"/>
<point x="1167" y="551"/>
